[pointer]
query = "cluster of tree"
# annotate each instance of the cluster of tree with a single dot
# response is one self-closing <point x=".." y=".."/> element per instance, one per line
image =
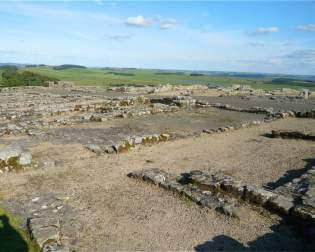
<point x="170" y="73"/>
<point x="120" y="73"/>
<point x="67" y="66"/>
<point x="12" y="77"/>
<point x="35" y="65"/>
<point x="119" y="68"/>
<point x="196" y="74"/>
<point x="286" y="80"/>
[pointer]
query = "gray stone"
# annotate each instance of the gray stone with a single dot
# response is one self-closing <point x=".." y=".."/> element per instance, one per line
<point x="95" y="148"/>
<point x="45" y="235"/>
<point x="10" y="152"/>
<point x="281" y="204"/>
<point x="25" y="158"/>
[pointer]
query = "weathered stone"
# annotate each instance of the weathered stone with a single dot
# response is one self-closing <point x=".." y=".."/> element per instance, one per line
<point x="50" y="221"/>
<point x="45" y="235"/>
<point x="305" y="213"/>
<point x="293" y="134"/>
<point x="209" y="201"/>
<point x="44" y="222"/>
<point x="165" y="137"/>
<point x="14" y="158"/>
<point x="192" y="191"/>
<point x="25" y="158"/>
<point x="281" y="204"/>
<point x="257" y="195"/>
<point x="95" y="148"/>
<point x="10" y="152"/>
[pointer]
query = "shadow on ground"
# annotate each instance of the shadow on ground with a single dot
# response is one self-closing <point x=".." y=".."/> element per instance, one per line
<point x="291" y="174"/>
<point x="10" y="239"/>
<point x="282" y="238"/>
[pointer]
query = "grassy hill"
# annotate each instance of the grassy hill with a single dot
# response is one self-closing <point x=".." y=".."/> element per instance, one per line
<point x="118" y="76"/>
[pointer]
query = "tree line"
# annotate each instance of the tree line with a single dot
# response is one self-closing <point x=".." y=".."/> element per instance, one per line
<point x="11" y="77"/>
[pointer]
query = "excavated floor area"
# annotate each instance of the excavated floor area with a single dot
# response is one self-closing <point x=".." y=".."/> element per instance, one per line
<point x="118" y="213"/>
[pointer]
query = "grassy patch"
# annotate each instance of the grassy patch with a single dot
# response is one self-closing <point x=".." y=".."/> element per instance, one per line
<point x="125" y="77"/>
<point x="12" y="237"/>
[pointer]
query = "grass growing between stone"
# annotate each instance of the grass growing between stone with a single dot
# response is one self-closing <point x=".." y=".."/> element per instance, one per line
<point x="12" y="237"/>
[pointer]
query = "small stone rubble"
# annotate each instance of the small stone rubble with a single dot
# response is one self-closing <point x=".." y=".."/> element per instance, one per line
<point x="14" y="158"/>
<point x="80" y="110"/>
<point x="24" y="110"/>
<point x="127" y="144"/>
<point x="49" y="221"/>
<point x="147" y="89"/>
<point x="191" y="89"/>
<point x="228" y="195"/>
<point x="292" y="135"/>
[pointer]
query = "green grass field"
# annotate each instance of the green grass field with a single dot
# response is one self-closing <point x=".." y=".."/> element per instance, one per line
<point x="110" y="77"/>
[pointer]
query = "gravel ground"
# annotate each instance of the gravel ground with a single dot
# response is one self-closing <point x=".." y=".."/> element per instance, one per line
<point x="120" y="213"/>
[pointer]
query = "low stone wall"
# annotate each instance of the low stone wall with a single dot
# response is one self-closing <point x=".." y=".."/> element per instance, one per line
<point x="226" y="194"/>
<point x="301" y="192"/>
<point x="75" y="112"/>
<point x="258" y="110"/>
<point x="231" y="128"/>
<point x="179" y="101"/>
<point x="29" y="126"/>
<point x="307" y="114"/>
<point x="292" y="135"/>
<point x="178" y="184"/>
<point x="129" y="143"/>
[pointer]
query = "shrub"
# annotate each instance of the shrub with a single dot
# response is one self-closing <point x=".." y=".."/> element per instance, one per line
<point x="67" y="66"/>
<point x="11" y="77"/>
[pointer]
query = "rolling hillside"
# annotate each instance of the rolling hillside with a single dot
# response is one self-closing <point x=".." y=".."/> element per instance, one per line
<point x="119" y="76"/>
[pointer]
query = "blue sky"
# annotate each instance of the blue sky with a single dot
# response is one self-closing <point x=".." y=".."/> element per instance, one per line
<point x="250" y="36"/>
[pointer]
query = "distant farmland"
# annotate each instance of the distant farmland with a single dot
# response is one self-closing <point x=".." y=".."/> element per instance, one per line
<point x="112" y="77"/>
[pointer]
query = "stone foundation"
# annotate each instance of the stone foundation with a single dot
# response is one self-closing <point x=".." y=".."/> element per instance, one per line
<point x="48" y="220"/>
<point x="129" y="143"/>
<point x="292" y="135"/>
<point x="228" y="195"/>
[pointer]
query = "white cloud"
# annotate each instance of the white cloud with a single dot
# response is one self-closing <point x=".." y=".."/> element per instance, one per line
<point x="168" y="24"/>
<point x="307" y="28"/>
<point x="139" y="21"/>
<point x="266" y="30"/>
